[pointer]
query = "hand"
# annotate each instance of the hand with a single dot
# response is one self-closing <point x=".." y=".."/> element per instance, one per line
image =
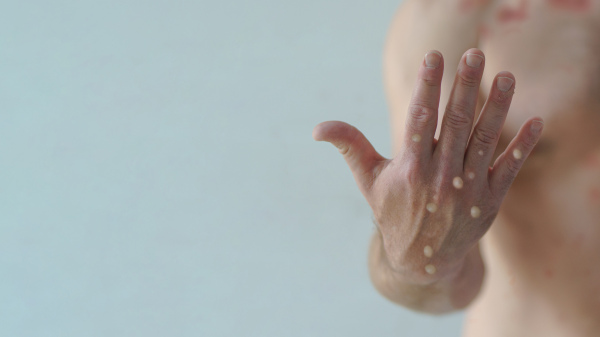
<point x="437" y="198"/>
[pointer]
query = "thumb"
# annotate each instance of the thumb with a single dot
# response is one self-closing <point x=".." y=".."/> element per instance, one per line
<point x="354" y="146"/>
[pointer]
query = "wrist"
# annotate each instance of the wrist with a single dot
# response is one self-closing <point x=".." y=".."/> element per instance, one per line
<point x="417" y="268"/>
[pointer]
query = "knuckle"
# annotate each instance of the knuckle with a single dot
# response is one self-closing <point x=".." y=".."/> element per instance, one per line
<point x="512" y="166"/>
<point x="529" y="141"/>
<point x="420" y="114"/>
<point x="344" y="150"/>
<point x="468" y="79"/>
<point x="455" y="116"/>
<point x="501" y="101"/>
<point x="503" y="185"/>
<point x="486" y="135"/>
<point x="430" y="80"/>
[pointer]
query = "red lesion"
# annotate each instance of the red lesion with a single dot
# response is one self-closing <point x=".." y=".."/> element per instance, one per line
<point x="572" y="5"/>
<point x="549" y="273"/>
<point x="508" y="14"/>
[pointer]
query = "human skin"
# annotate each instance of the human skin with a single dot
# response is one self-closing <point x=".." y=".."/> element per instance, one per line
<point x="413" y="196"/>
<point x="541" y="252"/>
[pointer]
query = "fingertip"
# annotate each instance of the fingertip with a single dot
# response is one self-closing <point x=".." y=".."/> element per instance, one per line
<point x="433" y="59"/>
<point x="435" y="51"/>
<point x="537" y="119"/>
<point x="317" y="133"/>
<point x="536" y="126"/>
<point x="322" y="130"/>
<point x="505" y="73"/>
<point x="474" y="58"/>
<point x="476" y="51"/>
<point x="330" y="131"/>
<point x="505" y="82"/>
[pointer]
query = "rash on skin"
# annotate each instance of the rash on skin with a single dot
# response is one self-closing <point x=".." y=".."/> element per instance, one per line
<point x="572" y="5"/>
<point x="507" y="14"/>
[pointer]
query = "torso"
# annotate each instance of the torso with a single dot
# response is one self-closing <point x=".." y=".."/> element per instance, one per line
<point x="542" y="254"/>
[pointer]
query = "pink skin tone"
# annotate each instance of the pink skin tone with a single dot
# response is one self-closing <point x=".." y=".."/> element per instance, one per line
<point x="592" y="162"/>
<point x="507" y="14"/>
<point x="594" y="195"/>
<point x="468" y="5"/>
<point x="572" y="5"/>
<point x="484" y="31"/>
<point x="399" y="189"/>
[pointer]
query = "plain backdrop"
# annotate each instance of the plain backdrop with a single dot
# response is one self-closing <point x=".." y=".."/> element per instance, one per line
<point x="158" y="176"/>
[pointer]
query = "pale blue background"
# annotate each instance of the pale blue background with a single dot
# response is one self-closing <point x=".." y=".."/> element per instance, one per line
<point x="158" y="175"/>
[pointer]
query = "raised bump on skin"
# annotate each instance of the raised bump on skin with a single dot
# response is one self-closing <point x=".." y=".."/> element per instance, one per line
<point x="471" y="175"/>
<point x="428" y="251"/>
<point x="416" y="138"/>
<point x="480" y="152"/>
<point x="475" y="212"/>
<point x="430" y="269"/>
<point x="517" y="154"/>
<point x="431" y="207"/>
<point x="457" y="182"/>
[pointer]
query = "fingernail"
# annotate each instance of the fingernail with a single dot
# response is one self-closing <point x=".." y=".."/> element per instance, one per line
<point x="432" y="59"/>
<point x="504" y="83"/>
<point x="474" y="60"/>
<point x="537" y="126"/>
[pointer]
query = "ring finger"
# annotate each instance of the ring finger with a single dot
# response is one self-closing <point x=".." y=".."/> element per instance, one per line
<point x="486" y="133"/>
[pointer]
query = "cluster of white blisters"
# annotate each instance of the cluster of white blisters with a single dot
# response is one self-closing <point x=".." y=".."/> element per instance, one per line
<point x="458" y="183"/>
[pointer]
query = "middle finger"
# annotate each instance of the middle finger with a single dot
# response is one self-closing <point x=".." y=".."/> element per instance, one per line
<point x="460" y="110"/>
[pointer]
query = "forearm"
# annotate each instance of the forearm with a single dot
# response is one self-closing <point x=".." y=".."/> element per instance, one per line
<point x="452" y="292"/>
